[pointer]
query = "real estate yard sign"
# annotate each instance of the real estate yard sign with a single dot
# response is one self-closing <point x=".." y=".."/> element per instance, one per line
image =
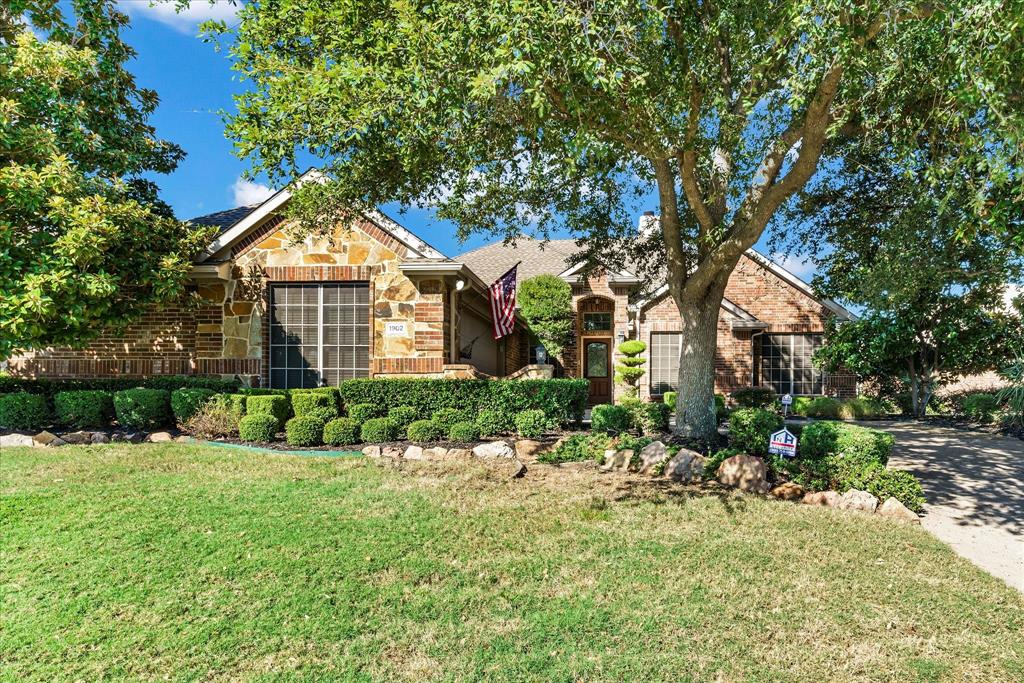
<point x="783" y="443"/>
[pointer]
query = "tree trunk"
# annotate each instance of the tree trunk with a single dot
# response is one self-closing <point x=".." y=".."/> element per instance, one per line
<point x="695" y="402"/>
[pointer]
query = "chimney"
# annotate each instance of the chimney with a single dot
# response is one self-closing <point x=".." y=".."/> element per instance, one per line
<point x="648" y="224"/>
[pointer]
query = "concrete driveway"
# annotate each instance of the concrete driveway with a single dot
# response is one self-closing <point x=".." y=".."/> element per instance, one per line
<point x="974" y="484"/>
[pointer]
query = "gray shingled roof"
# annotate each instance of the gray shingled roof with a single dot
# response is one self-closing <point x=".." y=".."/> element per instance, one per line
<point x="224" y="219"/>
<point x="538" y="258"/>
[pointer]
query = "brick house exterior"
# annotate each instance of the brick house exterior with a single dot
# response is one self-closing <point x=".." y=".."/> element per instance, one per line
<point x="370" y="299"/>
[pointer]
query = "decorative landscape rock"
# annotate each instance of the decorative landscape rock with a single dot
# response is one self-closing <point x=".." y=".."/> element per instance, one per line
<point x="528" y="448"/>
<point x="371" y="451"/>
<point x="79" y="437"/>
<point x="391" y="452"/>
<point x="617" y="460"/>
<point x="896" y="510"/>
<point x="652" y="454"/>
<point x="460" y="453"/>
<point x="789" y="491"/>
<point x="745" y="472"/>
<point x="413" y="453"/>
<point x="507" y="468"/>
<point x="494" y="449"/>
<point x="45" y="438"/>
<point x="160" y="437"/>
<point x="99" y="437"/>
<point x="685" y="466"/>
<point x="12" y="440"/>
<point x="436" y="453"/>
<point x="855" y="499"/>
<point x="829" y="499"/>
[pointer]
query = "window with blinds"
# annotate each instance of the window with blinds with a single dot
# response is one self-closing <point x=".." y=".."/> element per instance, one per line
<point x="786" y="363"/>
<point x="319" y="333"/>
<point x="664" y="358"/>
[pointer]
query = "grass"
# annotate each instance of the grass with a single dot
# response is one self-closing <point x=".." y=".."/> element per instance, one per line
<point x="190" y="563"/>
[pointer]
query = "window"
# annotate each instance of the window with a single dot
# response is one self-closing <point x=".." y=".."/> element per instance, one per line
<point x="786" y="364"/>
<point x="597" y="322"/>
<point x="665" y="361"/>
<point x="319" y="334"/>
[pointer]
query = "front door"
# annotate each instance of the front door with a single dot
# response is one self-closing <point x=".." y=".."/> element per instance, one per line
<point x="597" y="361"/>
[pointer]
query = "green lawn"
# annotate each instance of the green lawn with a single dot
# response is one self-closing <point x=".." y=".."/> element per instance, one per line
<point x="186" y="563"/>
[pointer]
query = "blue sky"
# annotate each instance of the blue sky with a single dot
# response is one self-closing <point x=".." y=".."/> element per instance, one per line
<point x="195" y="82"/>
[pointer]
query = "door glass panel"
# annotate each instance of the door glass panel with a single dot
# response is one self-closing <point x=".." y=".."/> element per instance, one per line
<point x="597" y="359"/>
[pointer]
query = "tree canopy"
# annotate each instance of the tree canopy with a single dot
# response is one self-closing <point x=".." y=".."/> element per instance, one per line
<point x="85" y="242"/>
<point x="516" y="118"/>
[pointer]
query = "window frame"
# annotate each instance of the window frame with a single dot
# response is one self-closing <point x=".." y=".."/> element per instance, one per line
<point x="657" y="388"/>
<point x="813" y="341"/>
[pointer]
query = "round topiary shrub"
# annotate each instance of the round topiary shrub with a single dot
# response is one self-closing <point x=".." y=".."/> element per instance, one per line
<point x="464" y="432"/>
<point x="259" y="428"/>
<point x="750" y="429"/>
<point x="530" y="424"/>
<point x="311" y="403"/>
<point x="275" y="405"/>
<point x="378" y="430"/>
<point x="424" y="430"/>
<point x="22" y="410"/>
<point x="493" y="422"/>
<point x="83" y="409"/>
<point x="402" y="416"/>
<point x="305" y="430"/>
<point x="341" y="431"/>
<point x="361" y="412"/>
<point x="446" y="417"/>
<point x="143" y="408"/>
<point x="609" y="419"/>
<point x="186" y="402"/>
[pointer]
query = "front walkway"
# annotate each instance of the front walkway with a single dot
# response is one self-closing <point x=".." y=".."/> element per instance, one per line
<point x="974" y="483"/>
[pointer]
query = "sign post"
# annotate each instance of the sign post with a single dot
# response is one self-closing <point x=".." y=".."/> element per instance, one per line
<point x="783" y="443"/>
<point x="786" y="401"/>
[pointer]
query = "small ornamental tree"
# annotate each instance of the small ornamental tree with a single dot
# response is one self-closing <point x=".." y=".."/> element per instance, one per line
<point x="545" y="302"/>
<point x="628" y="371"/>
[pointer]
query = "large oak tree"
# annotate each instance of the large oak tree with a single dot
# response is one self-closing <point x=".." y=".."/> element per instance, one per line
<point x="531" y="117"/>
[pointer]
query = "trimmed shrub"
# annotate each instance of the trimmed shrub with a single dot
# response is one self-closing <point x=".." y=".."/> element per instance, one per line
<point x="310" y="403"/>
<point x="275" y="405"/>
<point x="654" y="417"/>
<point x="304" y="430"/>
<point x="980" y="407"/>
<point x="258" y="427"/>
<point x="263" y="391"/>
<point x="402" y="416"/>
<point x="331" y="392"/>
<point x="361" y="412"/>
<point x="609" y="419"/>
<point x="86" y="408"/>
<point x="341" y="431"/>
<point x="493" y="422"/>
<point x="800" y="405"/>
<point x="186" y="402"/>
<point x="562" y="400"/>
<point x="424" y="430"/>
<point x="464" y="432"/>
<point x="577" y="448"/>
<point x="903" y="486"/>
<point x="446" y="417"/>
<point x="669" y="398"/>
<point x="22" y="410"/>
<point x="233" y="403"/>
<point x="214" y="419"/>
<point x="750" y="429"/>
<point x="721" y="411"/>
<point x="530" y="423"/>
<point x="378" y="430"/>
<point x="50" y="386"/>
<point x="754" y="397"/>
<point x="143" y="408"/>
<point x="822" y="406"/>
<point x="821" y="439"/>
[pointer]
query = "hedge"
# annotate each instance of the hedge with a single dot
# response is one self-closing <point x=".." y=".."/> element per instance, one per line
<point x="258" y="427"/>
<point x="610" y="419"/>
<point x="820" y="439"/>
<point x="319" y="404"/>
<point x="562" y="400"/>
<point x="81" y="409"/>
<point x="361" y="412"/>
<point x="530" y="423"/>
<point x="186" y="402"/>
<point x="754" y="397"/>
<point x="22" y="410"/>
<point x="402" y="416"/>
<point x="464" y="432"/>
<point x="142" y="408"/>
<point x="342" y="431"/>
<point x="493" y="422"/>
<point x="269" y="404"/>
<point x="304" y="430"/>
<point x="49" y="387"/>
<point x="233" y="403"/>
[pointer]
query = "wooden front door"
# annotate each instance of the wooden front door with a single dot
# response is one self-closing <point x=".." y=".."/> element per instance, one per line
<point x="597" y="362"/>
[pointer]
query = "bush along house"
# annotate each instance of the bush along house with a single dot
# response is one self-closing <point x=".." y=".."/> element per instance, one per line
<point x="371" y="299"/>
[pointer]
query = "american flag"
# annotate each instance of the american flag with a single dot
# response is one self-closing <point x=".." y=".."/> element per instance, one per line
<point x="503" y="303"/>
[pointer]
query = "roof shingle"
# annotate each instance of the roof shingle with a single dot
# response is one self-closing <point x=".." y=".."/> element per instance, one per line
<point x="224" y="219"/>
<point x="538" y="258"/>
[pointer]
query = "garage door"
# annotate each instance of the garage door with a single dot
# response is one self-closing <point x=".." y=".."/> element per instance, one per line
<point x="319" y="333"/>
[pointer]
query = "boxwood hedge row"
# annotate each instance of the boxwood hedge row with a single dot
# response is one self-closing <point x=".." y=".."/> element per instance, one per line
<point x="49" y="387"/>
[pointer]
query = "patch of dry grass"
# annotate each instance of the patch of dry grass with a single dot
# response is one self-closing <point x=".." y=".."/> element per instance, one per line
<point x="161" y="561"/>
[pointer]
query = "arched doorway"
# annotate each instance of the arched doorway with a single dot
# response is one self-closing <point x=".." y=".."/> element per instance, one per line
<point x="596" y="324"/>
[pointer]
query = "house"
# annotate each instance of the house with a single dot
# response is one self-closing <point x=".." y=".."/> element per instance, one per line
<point x="371" y="299"/>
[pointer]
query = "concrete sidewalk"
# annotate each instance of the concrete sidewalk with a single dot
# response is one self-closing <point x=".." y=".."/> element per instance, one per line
<point x="974" y="484"/>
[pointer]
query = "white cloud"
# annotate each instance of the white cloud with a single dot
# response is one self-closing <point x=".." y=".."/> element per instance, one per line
<point x="185" y="21"/>
<point x="247" y="192"/>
